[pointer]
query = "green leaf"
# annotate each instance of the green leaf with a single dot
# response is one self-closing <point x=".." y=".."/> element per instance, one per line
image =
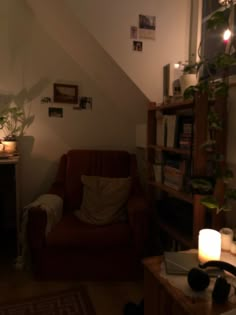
<point x="208" y="145"/>
<point x="201" y="185"/>
<point x="228" y="175"/>
<point x="189" y="93"/>
<point x="210" y="202"/>
<point x="219" y="20"/>
<point x="224" y="60"/>
<point x="231" y="193"/>
<point x="226" y="207"/>
<point x="214" y="121"/>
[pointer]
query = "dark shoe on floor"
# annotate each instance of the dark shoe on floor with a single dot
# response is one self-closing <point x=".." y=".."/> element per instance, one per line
<point x="134" y="309"/>
<point x="130" y="309"/>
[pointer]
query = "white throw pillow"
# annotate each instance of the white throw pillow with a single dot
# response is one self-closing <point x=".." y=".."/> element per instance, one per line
<point x="104" y="199"/>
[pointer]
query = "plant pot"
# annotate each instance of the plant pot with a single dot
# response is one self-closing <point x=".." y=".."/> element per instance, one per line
<point x="9" y="146"/>
<point x="186" y="80"/>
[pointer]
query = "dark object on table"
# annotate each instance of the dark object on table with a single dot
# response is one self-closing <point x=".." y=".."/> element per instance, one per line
<point x="134" y="309"/>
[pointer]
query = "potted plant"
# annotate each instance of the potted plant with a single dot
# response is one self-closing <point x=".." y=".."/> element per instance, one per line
<point x="12" y="122"/>
<point x="214" y="84"/>
<point x="189" y="76"/>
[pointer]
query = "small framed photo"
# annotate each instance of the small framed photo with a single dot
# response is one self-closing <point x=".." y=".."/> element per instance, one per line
<point x="55" y="112"/>
<point x="133" y="32"/>
<point x="137" y="45"/>
<point x="86" y="102"/>
<point x="65" y="93"/>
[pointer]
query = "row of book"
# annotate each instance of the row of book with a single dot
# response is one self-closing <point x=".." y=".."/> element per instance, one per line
<point x="186" y="135"/>
<point x="173" y="173"/>
<point x="169" y="176"/>
<point x="174" y="130"/>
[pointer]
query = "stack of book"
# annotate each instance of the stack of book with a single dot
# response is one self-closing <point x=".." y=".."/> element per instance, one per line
<point x="185" y="138"/>
<point x="173" y="177"/>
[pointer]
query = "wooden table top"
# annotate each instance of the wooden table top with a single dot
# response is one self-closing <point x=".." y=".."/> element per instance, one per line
<point x="192" y="305"/>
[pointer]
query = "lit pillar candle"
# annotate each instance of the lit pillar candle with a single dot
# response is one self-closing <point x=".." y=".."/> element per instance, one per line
<point x="209" y="245"/>
<point x="227" y="236"/>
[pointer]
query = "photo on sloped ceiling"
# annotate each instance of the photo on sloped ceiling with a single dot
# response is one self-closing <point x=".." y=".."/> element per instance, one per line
<point x="84" y="103"/>
<point x="137" y="45"/>
<point x="147" y="26"/>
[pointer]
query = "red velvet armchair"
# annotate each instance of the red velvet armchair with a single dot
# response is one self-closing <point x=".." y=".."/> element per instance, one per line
<point x="74" y="249"/>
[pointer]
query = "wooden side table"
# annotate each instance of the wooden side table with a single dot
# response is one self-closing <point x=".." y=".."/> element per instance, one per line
<point x="10" y="199"/>
<point x="161" y="298"/>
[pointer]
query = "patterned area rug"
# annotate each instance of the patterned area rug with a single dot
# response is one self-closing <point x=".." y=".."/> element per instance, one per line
<point x="70" y="302"/>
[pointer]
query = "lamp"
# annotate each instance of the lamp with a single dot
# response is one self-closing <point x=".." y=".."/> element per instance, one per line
<point x="209" y="245"/>
<point x="227" y="34"/>
<point x="226" y="2"/>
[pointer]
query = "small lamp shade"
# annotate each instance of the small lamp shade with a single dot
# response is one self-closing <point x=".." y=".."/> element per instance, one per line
<point x="209" y="245"/>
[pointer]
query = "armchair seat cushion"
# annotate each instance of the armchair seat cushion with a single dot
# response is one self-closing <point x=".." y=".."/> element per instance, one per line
<point x="71" y="232"/>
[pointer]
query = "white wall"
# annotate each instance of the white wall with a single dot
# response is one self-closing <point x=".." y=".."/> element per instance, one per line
<point x="110" y="21"/>
<point x="34" y="53"/>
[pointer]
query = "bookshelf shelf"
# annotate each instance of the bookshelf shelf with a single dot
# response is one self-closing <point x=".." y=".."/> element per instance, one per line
<point x="175" y="233"/>
<point x="175" y="106"/>
<point x="171" y="167"/>
<point x="167" y="149"/>
<point x="179" y="194"/>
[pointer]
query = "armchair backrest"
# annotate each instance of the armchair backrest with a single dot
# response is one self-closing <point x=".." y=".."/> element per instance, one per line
<point x="106" y="163"/>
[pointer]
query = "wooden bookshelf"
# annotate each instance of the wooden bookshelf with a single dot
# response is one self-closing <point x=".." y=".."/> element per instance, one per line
<point x="178" y="194"/>
<point x="174" y="150"/>
<point x="196" y="160"/>
<point x="182" y="237"/>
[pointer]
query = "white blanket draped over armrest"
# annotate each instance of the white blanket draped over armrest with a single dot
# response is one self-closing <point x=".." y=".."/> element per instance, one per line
<point x="53" y="206"/>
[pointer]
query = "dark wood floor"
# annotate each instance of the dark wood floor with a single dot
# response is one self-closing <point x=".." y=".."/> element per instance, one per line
<point x="107" y="297"/>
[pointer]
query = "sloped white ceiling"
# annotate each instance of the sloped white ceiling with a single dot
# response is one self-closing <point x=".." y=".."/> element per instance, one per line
<point x="66" y="29"/>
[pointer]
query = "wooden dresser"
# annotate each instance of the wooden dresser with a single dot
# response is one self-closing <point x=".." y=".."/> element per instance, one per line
<point x="161" y="298"/>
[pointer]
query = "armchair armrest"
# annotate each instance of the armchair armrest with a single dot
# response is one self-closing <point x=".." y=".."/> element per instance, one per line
<point x="41" y="215"/>
<point x="138" y="216"/>
<point x="36" y="227"/>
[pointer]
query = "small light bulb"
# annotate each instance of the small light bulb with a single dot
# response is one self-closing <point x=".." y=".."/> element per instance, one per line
<point x="227" y="35"/>
<point x="176" y="65"/>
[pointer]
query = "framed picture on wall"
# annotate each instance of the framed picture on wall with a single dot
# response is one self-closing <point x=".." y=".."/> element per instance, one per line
<point x="65" y="93"/>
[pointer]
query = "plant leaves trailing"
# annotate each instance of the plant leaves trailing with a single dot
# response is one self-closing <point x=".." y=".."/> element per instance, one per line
<point x="218" y="65"/>
<point x="219" y="20"/>
<point x="202" y="185"/>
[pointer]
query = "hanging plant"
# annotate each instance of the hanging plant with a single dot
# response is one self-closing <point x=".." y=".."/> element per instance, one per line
<point x="214" y="85"/>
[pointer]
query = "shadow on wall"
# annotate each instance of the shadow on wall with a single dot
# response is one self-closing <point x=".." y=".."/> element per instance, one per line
<point x="29" y="166"/>
<point x="21" y="101"/>
<point x="26" y="144"/>
<point x="38" y="174"/>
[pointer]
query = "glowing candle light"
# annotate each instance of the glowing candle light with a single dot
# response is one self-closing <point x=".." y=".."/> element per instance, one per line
<point x="209" y="245"/>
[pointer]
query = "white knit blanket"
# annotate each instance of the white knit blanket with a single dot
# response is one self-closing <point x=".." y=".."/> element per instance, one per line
<point x="53" y="206"/>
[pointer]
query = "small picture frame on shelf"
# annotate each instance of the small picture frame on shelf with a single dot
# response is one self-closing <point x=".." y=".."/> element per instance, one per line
<point x="65" y="93"/>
